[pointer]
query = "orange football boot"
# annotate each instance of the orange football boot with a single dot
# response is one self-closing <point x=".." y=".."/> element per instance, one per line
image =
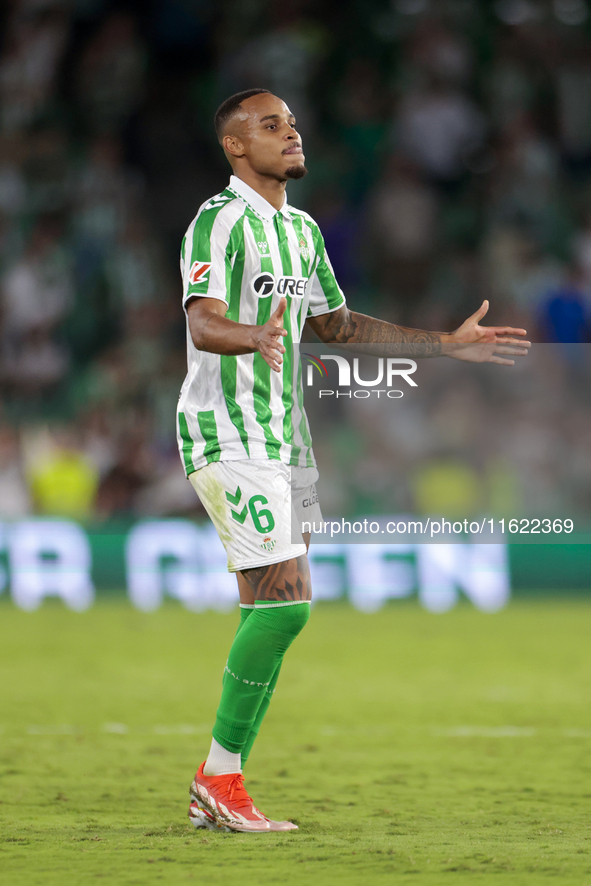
<point x="226" y="799"/>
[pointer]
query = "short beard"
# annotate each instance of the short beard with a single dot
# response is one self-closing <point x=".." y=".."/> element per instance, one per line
<point x="296" y="172"/>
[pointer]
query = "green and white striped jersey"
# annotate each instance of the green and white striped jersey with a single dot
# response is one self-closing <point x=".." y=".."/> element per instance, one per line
<point x="243" y="251"/>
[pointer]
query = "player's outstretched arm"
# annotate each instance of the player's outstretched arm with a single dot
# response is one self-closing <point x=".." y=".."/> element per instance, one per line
<point x="470" y="342"/>
<point x="212" y="331"/>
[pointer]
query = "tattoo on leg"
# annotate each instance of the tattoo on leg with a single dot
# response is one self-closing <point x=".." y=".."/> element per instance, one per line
<point x="281" y="582"/>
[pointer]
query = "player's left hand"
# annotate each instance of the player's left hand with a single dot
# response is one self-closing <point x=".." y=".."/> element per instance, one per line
<point x="486" y="344"/>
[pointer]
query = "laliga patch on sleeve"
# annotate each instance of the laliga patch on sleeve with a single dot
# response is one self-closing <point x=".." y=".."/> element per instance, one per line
<point x="199" y="271"/>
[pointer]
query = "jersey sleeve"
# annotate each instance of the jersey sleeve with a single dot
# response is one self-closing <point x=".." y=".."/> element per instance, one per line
<point x="325" y="293"/>
<point x="204" y="258"/>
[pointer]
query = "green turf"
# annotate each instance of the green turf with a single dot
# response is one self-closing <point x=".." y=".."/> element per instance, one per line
<point x="411" y="748"/>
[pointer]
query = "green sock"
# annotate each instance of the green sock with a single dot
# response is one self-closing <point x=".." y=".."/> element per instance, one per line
<point x="245" y="611"/>
<point x="263" y="708"/>
<point x="261" y="641"/>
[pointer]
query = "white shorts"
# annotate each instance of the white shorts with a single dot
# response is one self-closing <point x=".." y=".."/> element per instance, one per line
<point x="257" y="507"/>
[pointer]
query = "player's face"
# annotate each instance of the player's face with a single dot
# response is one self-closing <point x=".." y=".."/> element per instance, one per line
<point x="269" y="139"/>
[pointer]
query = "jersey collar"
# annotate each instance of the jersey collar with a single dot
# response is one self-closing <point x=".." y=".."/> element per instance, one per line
<point x="257" y="203"/>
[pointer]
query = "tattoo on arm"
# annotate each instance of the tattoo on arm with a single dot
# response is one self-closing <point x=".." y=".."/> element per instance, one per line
<point x="284" y="582"/>
<point x="348" y="327"/>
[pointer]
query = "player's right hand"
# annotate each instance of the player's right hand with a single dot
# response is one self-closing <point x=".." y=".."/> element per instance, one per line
<point x="486" y="344"/>
<point x="268" y="337"/>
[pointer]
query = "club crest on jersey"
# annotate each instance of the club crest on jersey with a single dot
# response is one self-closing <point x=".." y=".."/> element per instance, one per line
<point x="304" y="250"/>
<point x="264" y="285"/>
<point x="199" y="271"/>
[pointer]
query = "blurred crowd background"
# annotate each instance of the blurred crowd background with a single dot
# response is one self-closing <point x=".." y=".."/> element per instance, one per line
<point x="449" y="149"/>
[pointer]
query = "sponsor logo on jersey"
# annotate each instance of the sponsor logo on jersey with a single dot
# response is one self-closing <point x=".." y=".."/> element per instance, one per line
<point x="263" y="285"/>
<point x="266" y="284"/>
<point x="312" y="498"/>
<point x="199" y="271"/>
<point x="294" y="286"/>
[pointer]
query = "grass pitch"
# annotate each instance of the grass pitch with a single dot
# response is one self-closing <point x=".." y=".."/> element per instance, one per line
<point x="411" y="748"/>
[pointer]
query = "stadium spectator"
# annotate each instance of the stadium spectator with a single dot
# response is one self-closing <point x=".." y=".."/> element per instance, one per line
<point x="403" y="230"/>
<point x="13" y="188"/>
<point x="447" y="487"/>
<point x="438" y="127"/>
<point x="15" y="500"/>
<point x="35" y="41"/>
<point x="62" y="479"/>
<point x="111" y="75"/>
<point x="38" y="289"/>
<point x="565" y="314"/>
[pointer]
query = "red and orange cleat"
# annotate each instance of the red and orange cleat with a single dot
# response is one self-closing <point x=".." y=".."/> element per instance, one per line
<point x="222" y="802"/>
<point x="200" y="817"/>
